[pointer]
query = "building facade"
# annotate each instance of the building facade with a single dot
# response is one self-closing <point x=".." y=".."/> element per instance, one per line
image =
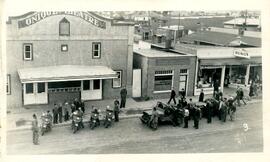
<point x="56" y="56"/>
<point x="162" y="71"/>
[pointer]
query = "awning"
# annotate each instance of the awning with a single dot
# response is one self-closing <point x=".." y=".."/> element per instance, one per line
<point x="65" y="73"/>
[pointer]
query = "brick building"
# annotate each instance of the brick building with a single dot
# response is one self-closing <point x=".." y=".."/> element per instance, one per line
<point x="57" y="56"/>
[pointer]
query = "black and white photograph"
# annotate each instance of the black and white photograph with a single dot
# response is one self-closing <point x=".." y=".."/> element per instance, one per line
<point x="133" y="82"/>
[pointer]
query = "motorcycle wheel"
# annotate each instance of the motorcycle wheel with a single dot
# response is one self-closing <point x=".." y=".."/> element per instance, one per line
<point x="75" y="129"/>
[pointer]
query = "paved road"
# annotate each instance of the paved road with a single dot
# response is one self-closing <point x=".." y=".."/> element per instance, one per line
<point x="130" y="136"/>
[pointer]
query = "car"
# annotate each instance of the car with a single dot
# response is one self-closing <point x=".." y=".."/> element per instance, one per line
<point x="168" y="114"/>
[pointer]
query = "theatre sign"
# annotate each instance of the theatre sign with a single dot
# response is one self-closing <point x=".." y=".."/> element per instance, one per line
<point x="38" y="16"/>
<point x="241" y="53"/>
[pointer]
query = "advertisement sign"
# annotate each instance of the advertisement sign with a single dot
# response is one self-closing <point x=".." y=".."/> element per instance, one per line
<point x="241" y="53"/>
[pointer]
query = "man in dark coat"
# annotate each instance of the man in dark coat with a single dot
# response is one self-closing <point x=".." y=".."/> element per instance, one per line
<point x="223" y="110"/>
<point x="216" y="85"/>
<point x="60" y="113"/>
<point x="209" y="109"/>
<point x="82" y="106"/>
<point x="201" y="97"/>
<point x="55" y="114"/>
<point x="76" y="103"/>
<point x="172" y="97"/>
<point x="116" y="110"/>
<point x="196" y="115"/>
<point x="186" y="117"/>
<point x="123" y="94"/>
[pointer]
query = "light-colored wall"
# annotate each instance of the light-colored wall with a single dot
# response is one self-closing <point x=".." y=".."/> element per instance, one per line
<point x="116" y="50"/>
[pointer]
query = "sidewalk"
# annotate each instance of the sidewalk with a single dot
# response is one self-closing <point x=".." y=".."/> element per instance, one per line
<point x="17" y="118"/>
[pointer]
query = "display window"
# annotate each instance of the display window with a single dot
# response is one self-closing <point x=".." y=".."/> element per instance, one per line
<point x="238" y="74"/>
<point x="207" y="77"/>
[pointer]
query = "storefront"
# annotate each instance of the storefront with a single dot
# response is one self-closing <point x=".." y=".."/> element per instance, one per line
<point x="230" y="67"/>
<point x="163" y="71"/>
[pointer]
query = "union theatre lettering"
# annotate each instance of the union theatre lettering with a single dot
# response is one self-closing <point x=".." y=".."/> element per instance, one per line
<point x="241" y="53"/>
<point x="38" y="16"/>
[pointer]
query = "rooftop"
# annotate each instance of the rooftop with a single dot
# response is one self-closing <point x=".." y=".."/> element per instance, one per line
<point x="220" y="39"/>
<point x="152" y="53"/>
<point x="240" y="21"/>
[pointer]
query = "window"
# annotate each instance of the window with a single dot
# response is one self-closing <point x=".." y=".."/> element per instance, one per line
<point x="64" y="47"/>
<point x="41" y="87"/>
<point x="238" y="74"/>
<point x="64" y="27"/>
<point x="29" y="88"/>
<point x="96" y="49"/>
<point x="86" y="85"/>
<point x="96" y="84"/>
<point x="207" y="77"/>
<point x="27" y="51"/>
<point x="117" y="82"/>
<point x="183" y="79"/>
<point x="163" y="80"/>
<point x="8" y="84"/>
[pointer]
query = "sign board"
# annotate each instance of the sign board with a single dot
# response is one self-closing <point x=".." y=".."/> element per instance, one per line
<point x="38" y="16"/>
<point x="241" y="53"/>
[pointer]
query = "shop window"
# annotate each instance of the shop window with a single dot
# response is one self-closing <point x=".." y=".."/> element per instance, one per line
<point x="64" y="27"/>
<point x="96" y="84"/>
<point x="41" y="87"/>
<point x="207" y="77"/>
<point x="255" y="74"/>
<point x="117" y="82"/>
<point x="64" y="47"/>
<point x="238" y="74"/>
<point x="27" y="51"/>
<point x="163" y="80"/>
<point x="86" y="85"/>
<point x="96" y="49"/>
<point x="8" y="84"/>
<point x="29" y="88"/>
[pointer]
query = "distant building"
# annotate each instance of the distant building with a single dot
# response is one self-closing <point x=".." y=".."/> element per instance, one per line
<point x="252" y="24"/>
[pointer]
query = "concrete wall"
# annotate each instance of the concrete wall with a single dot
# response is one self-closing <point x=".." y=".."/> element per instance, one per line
<point x="116" y="50"/>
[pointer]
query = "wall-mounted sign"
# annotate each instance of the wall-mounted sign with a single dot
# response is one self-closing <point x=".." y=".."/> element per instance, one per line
<point x="38" y="16"/>
<point x="241" y="53"/>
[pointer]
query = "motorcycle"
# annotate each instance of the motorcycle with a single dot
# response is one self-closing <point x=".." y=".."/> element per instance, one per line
<point x="108" y="118"/>
<point x="94" y="120"/>
<point x="77" y="123"/>
<point x="46" y="125"/>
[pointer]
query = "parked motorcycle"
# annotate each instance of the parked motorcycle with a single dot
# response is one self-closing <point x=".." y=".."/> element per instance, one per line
<point x="46" y="124"/>
<point x="108" y="118"/>
<point x="94" y="120"/>
<point x="77" y="122"/>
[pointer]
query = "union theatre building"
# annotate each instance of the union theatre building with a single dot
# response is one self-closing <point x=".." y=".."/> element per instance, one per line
<point x="58" y="56"/>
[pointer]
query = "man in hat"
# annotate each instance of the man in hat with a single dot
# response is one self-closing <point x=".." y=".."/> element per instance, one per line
<point x="116" y="110"/>
<point x="123" y="94"/>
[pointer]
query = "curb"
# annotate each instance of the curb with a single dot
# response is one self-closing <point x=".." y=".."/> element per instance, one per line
<point x="121" y="117"/>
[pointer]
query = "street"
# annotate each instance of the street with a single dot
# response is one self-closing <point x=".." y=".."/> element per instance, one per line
<point x="131" y="136"/>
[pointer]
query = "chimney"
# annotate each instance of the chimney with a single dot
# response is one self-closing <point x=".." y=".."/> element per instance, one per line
<point x="168" y="41"/>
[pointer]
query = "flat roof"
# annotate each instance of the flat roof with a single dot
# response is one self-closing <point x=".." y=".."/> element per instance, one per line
<point x="65" y="73"/>
<point x="240" y="21"/>
<point x="152" y="53"/>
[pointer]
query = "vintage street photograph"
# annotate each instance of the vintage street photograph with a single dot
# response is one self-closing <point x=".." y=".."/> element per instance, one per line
<point x="134" y="82"/>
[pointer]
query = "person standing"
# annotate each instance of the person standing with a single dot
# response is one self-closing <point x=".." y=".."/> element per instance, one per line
<point x="197" y="114"/>
<point x="60" y="113"/>
<point x="73" y="108"/>
<point x="35" y="130"/>
<point x="153" y="122"/>
<point x="55" y="114"/>
<point x="251" y="89"/>
<point x="182" y="93"/>
<point x="209" y="109"/>
<point x="223" y="110"/>
<point x="232" y="108"/>
<point x="123" y="94"/>
<point x="186" y="117"/>
<point x="82" y="106"/>
<point x="172" y="97"/>
<point x="76" y="103"/>
<point x="216" y="85"/>
<point x="116" y="110"/>
<point x="201" y="97"/>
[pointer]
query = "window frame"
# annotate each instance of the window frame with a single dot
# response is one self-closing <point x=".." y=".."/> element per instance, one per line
<point x="33" y="91"/>
<point x="8" y="84"/>
<point x="39" y="89"/>
<point x="31" y="52"/>
<point x="64" y="21"/>
<point x="163" y="73"/>
<point x="93" y="85"/>
<point x="93" y="50"/>
<point x="121" y="77"/>
<point x="63" y="45"/>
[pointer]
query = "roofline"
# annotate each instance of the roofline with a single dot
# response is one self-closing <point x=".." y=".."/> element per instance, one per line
<point x="112" y="21"/>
